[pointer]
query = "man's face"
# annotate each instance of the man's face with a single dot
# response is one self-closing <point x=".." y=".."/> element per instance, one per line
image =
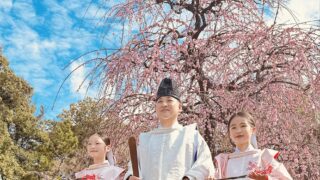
<point x="168" y="108"/>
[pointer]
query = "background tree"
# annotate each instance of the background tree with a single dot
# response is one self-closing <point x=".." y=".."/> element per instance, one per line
<point x="21" y="137"/>
<point x="86" y="118"/>
<point x="225" y="57"/>
<point x="61" y="145"/>
<point x="34" y="148"/>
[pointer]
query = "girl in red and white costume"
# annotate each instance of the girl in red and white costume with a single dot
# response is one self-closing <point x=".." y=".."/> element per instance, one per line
<point x="248" y="162"/>
<point x="99" y="149"/>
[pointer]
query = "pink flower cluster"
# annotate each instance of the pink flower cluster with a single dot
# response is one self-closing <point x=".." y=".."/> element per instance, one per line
<point x="259" y="170"/>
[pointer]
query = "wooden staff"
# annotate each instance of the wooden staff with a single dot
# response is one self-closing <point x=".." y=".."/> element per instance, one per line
<point x="134" y="155"/>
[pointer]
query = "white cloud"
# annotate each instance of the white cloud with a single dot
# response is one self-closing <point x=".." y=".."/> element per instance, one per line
<point x="94" y="12"/>
<point x="42" y="86"/>
<point x="27" y="42"/>
<point x="88" y="9"/>
<point x="47" y="44"/>
<point x="35" y="49"/>
<point x="38" y="47"/>
<point x="300" y="11"/>
<point x="25" y="11"/>
<point x="6" y="5"/>
<point x="30" y="53"/>
<point x="60" y="22"/>
<point x="77" y="83"/>
<point x="78" y="7"/>
<point x="55" y="7"/>
<point x="23" y="40"/>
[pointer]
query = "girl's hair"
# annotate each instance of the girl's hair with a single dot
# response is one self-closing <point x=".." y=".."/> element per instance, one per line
<point x="245" y="115"/>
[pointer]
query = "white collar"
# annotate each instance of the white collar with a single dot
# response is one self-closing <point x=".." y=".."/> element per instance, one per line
<point x="96" y="166"/>
<point x="249" y="148"/>
<point x="163" y="130"/>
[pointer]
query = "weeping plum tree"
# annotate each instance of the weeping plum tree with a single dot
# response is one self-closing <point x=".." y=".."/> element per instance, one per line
<point x="226" y="55"/>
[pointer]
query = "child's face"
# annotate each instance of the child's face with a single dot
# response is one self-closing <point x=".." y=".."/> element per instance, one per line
<point x="240" y="131"/>
<point x="168" y="108"/>
<point x="96" y="147"/>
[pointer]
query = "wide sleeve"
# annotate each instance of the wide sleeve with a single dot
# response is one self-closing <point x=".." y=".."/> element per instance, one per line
<point x="203" y="165"/>
<point x="278" y="170"/>
<point x="220" y="163"/>
<point x="116" y="172"/>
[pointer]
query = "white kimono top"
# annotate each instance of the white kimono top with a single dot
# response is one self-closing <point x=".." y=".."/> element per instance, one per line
<point x="172" y="153"/>
<point x="100" y="172"/>
<point x="242" y="163"/>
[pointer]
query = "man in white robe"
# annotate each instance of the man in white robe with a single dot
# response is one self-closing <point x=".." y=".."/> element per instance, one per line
<point x="172" y="152"/>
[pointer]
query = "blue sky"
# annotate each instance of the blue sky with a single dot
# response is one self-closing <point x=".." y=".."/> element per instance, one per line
<point x="40" y="37"/>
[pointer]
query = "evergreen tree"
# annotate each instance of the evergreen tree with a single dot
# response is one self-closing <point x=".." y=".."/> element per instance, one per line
<point x="21" y="137"/>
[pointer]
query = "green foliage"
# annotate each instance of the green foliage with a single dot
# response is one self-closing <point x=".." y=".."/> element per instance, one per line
<point x="33" y="148"/>
<point x="86" y="118"/>
<point x="21" y="138"/>
<point x="63" y="141"/>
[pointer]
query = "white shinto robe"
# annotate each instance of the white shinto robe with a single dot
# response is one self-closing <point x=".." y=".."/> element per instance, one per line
<point x="242" y="163"/>
<point x="169" y="154"/>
